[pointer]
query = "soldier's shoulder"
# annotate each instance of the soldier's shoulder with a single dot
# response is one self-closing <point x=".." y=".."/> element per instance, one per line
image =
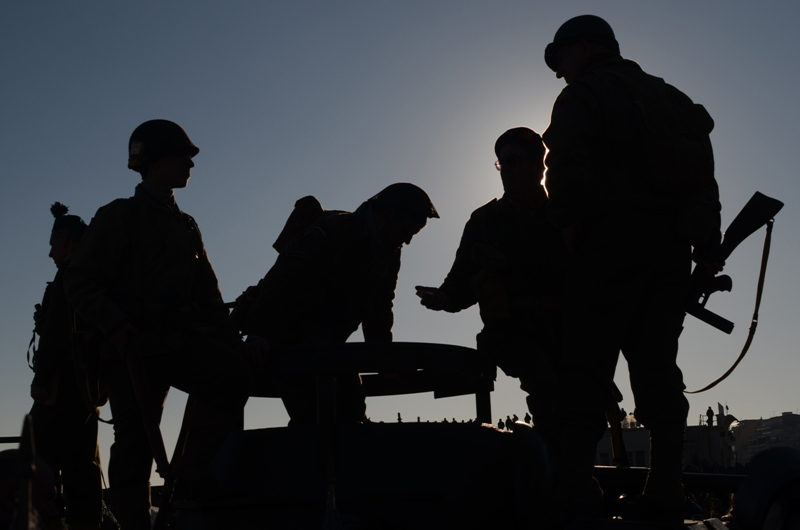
<point x="487" y="210"/>
<point x="115" y="210"/>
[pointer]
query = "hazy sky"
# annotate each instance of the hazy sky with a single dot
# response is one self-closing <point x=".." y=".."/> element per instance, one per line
<point x="340" y="99"/>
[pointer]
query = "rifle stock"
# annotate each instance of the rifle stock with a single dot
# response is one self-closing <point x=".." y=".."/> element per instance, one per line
<point x="755" y="214"/>
<point x="758" y="211"/>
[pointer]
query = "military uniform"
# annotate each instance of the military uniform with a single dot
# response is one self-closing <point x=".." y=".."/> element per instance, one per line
<point x="142" y="262"/>
<point x="334" y="277"/>
<point x="629" y="275"/>
<point x="512" y="262"/>
<point x="65" y="431"/>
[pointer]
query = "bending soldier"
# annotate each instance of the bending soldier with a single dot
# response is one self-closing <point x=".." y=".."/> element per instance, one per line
<point x="142" y="276"/>
<point x="336" y="275"/>
<point x="631" y="204"/>
<point x="64" y="424"/>
<point x="511" y="261"/>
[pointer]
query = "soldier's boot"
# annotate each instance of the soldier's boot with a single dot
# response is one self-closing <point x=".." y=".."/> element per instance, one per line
<point x="132" y="507"/>
<point x="663" y="500"/>
<point x="578" y="494"/>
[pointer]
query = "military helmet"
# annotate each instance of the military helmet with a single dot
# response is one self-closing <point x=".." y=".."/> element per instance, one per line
<point x="585" y="27"/>
<point x="156" y="138"/>
<point x="406" y="197"/>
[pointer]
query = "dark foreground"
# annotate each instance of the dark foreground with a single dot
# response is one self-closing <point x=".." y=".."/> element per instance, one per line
<point x="402" y="476"/>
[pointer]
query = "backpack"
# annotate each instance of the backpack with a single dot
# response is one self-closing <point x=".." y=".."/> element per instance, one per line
<point x="307" y="212"/>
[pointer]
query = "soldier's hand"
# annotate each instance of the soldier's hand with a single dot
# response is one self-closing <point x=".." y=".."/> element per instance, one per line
<point x="256" y="349"/>
<point x="712" y="268"/>
<point x="125" y="338"/>
<point x="433" y="298"/>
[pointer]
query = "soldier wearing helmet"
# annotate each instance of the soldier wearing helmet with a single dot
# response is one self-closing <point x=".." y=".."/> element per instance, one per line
<point x="142" y="276"/>
<point x="338" y="274"/>
<point x="631" y="239"/>
<point x="511" y="261"/>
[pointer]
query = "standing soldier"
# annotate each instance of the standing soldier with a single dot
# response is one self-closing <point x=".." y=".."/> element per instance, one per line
<point x="142" y="276"/>
<point x="511" y="262"/>
<point x="65" y="425"/>
<point x="631" y="183"/>
<point x="339" y="273"/>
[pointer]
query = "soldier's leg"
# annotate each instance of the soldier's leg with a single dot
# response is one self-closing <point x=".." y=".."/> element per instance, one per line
<point x="80" y="466"/>
<point x="591" y="349"/>
<point x="601" y="297"/>
<point x="46" y="436"/>
<point x="656" y="380"/>
<point x="217" y="375"/>
<point x="131" y="459"/>
<point x="539" y="347"/>
<point x="540" y="383"/>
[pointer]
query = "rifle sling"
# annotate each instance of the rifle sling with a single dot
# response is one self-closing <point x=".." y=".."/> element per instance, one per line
<point x="754" y="322"/>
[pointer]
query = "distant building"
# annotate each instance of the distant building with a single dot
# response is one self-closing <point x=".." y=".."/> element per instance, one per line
<point x="707" y="448"/>
<point x="637" y="444"/>
<point x="754" y="436"/>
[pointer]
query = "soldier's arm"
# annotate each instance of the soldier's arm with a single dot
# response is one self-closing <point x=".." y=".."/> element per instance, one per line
<point x="46" y="360"/>
<point x="208" y="294"/>
<point x="53" y="329"/>
<point x="97" y="266"/>
<point x="570" y="139"/>
<point x="456" y="284"/>
<point x="379" y="318"/>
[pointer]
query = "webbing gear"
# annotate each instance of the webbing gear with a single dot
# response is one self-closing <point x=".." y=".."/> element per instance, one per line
<point x="32" y="348"/>
<point x="754" y="321"/>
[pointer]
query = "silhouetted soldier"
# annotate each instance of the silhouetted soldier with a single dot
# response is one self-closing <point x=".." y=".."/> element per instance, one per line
<point x="142" y="276"/>
<point x="64" y="424"/>
<point x="511" y="261"/>
<point x="338" y="274"/>
<point x="500" y="424"/>
<point x="630" y="220"/>
<point x="710" y="416"/>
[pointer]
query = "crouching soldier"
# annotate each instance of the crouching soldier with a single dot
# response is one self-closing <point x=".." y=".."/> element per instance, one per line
<point x="339" y="273"/>
<point x="64" y="422"/>
<point x="142" y="276"/>
<point x="512" y="263"/>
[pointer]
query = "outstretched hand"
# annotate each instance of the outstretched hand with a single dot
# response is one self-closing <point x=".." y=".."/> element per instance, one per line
<point x="433" y="298"/>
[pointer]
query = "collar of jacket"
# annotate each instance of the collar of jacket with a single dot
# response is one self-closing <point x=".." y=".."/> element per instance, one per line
<point x="156" y="199"/>
<point x="507" y="203"/>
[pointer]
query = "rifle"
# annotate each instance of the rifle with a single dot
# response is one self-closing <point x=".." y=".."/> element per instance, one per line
<point x="758" y="211"/>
